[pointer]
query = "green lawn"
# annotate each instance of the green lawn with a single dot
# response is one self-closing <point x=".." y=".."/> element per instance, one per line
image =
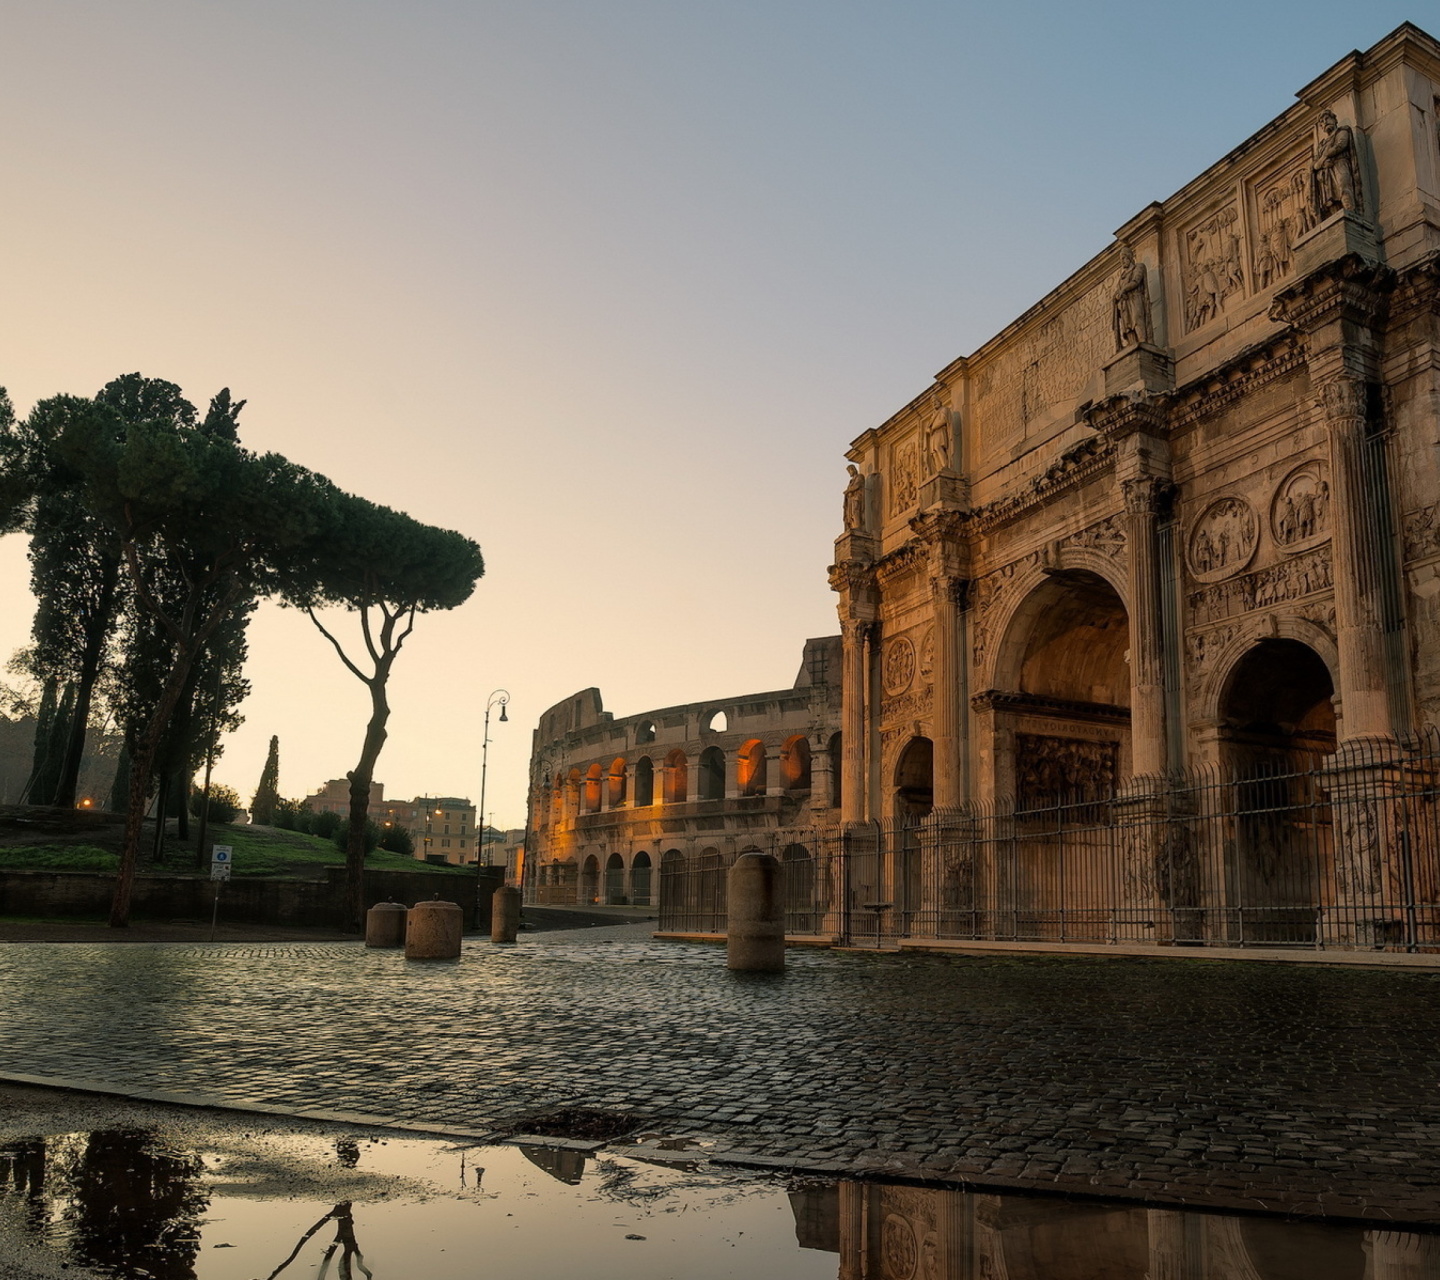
<point x="258" y="852"/>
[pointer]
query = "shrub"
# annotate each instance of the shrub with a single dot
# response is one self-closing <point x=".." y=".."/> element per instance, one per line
<point x="287" y="812"/>
<point x="224" y="804"/>
<point x="325" y="824"/>
<point x="398" y="840"/>
<point x="341" y="836"/>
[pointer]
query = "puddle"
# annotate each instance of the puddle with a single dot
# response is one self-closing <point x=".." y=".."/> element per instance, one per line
<point x="230" y="1204"/>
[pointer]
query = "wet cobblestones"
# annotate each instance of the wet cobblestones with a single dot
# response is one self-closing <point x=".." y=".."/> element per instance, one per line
<point x="1312" y="1089"/>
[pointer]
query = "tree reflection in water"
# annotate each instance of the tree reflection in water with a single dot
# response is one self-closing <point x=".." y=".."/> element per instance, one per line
<point x="350" y="1259"/>
<point x="127" y="1201"/>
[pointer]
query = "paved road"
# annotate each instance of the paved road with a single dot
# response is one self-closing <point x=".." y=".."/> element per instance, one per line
<point x="1226" y="1084"/>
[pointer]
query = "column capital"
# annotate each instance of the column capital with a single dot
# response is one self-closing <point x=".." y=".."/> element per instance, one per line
<point x="852" y="577"/>
<point x="1130" y="413"/>
<point x="1146" y="495"/>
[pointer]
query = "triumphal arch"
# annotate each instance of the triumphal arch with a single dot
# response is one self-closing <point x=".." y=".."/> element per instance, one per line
<point x="1141" y="600"/>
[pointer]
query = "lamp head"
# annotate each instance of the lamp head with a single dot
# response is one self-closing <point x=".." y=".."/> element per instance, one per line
<point x="503" y="716"/>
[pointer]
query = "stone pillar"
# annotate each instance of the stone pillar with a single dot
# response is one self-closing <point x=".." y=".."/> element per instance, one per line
<point x="1143" y="495"/>
<point x="853" y="726"/>
<point x="948" y="783"/>
<point x="774" y="774"/>
<point x="755" y="911"/>
<point x="505" y="914"/>
<point x="1364" y="693"/>
<point x="385" y="925"/>
<point x="433" y="931"/>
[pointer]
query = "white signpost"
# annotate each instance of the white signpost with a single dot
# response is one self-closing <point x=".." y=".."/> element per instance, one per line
<point x="220" y="855"/>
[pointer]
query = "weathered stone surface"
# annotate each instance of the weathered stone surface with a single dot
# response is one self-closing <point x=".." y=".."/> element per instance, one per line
<point x="433" y="931"/>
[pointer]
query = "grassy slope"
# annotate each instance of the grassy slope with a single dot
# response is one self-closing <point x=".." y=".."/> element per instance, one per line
<point x="259" y="851"/>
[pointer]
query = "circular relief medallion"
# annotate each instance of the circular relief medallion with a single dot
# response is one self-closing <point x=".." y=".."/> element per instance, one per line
<point x="927" y="654"/>
<point x="1300" y="514"/>
<point x="901" y="1252"/>
<point x="1223" y="539"/>
<point x="899" y="666"/>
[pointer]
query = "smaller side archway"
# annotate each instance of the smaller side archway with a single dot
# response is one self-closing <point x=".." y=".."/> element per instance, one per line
<point x="677" y="777"/>
<point x="750" y="768"/>
<point x="616" y="782"/>
<point x="712" y="774"/>
<point x="640" y="874"/>
<point x="915" y="780"/>
<point x="615" y="880"/>
<point x="672" y="890"/>
<point x="644" y="782"/>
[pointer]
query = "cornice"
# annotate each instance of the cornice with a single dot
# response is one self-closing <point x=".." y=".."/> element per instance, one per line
<point x="1081" y="462"/>
<point x="1351" y="288"/>
<point x="1221" y="388"/>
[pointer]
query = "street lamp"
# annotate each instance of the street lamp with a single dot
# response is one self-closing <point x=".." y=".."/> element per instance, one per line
<point x="499" y="698"/>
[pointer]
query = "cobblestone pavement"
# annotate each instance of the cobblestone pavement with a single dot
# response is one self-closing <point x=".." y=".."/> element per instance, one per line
<point x="1235" y="1085"/>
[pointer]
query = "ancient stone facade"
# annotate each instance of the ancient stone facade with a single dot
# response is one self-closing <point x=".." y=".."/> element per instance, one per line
<point x="1181" y="513"/>
<point x="1212" y="447"/>
<point x="617" y="806"/>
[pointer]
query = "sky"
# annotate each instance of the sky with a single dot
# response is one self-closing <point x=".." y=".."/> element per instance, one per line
<point x="608" y="287"/>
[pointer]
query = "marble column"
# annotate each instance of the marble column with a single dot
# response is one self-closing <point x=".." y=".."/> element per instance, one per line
<point x="855" y="682"/>
<point x="948" y="783"/>
<point x="1143" y="495"/>
<point x="1364" y="693"/>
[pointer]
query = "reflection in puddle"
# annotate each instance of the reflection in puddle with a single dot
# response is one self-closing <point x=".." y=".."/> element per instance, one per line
<point x="136" y="1205"/>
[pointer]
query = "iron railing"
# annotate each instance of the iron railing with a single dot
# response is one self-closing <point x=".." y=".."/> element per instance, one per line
<point x="1335" y="851"/>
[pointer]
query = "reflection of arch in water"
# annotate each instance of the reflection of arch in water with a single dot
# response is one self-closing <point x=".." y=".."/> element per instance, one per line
<point x="1277" y="727"/>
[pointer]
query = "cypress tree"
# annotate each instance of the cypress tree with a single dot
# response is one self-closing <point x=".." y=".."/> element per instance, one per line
<point x="267" y="794"/>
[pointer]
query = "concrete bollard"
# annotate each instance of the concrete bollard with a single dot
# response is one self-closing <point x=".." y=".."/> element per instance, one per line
<point x="385" y="925"/>
<point x="505" y="914"/>
<point x="755" y="937"/>
<point x="432" y="931"/>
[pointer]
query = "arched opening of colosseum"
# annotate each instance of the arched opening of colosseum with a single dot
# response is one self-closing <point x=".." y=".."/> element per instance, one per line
<point x="640" y="879"/>
<point x="1277" y="726"/>
<point x="710" y="890"/>
<point x="644" y="732"/>
<point x="590" y="879"/>
<point x="750" y="768"/>
<point x="795" y="763"/>
<point x="574" y="792"/>
<point x="915" y="780"/>
<point x="718" y="722"/>
<point x="557" y="801"/>
<point x="800" y="913"/>
<point x="592" y="788"/>
<point x="617" y="782"/>
<point x="712" y="774"/>
<point x="1065" y="658"/>
<point x="672" y="887"/>
<point x="644" y="782"/>
<point x="677" y="777"/>
<point x="836" y="772"/>
<point x="615" y="880"/>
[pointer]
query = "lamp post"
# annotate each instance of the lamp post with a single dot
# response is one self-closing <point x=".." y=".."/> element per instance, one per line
<point x="499" y="698"/>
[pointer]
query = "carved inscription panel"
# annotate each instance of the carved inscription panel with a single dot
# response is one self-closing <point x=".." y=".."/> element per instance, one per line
<point x="1045" y="369"/>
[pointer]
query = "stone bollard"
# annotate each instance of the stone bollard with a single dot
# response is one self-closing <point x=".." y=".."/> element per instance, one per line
<point x="755" y="936"/>
<point x="385" y="925"/>
<point x="505" y="914"/>
<point x="432" y="931"/>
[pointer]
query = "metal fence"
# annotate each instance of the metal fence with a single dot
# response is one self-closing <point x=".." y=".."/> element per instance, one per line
<point x="1339" y="851"/>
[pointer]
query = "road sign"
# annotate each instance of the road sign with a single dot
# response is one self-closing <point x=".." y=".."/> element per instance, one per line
<point x="220" y="861"/>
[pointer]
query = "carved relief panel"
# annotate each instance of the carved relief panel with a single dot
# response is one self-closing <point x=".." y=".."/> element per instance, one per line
<point x="1223" y="540"/>
<point x="904" y="475"/>
<point x="897" y="668"/>
<point x="1300" y="512"/>
<point x="1282" y="214"/>
<point x="1049" y="770"/>
<point x="1213" y="271"/>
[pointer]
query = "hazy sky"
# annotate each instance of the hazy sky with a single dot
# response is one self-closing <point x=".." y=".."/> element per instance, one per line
<point x="607" y="286"/>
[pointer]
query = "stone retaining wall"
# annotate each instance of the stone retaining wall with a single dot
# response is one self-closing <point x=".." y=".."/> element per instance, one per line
<point x="248" y="900"/>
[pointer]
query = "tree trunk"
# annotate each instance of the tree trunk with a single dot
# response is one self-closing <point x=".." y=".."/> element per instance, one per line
<point x="360" y="779"/>
<point x="85" y="689"/>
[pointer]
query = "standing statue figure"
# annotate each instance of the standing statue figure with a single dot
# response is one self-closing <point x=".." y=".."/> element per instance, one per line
<point x="855" y="499"/>
<point x="937" y="437"/>
<point x="1335" y="170"/>
<point x="1132" y="302"/>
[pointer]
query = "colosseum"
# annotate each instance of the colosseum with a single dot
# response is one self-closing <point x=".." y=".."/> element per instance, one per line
<point x="658" y="805"/>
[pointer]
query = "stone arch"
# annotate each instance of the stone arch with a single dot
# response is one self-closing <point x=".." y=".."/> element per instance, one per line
<point x="594" y="783"/>
<point x="1312" y="635"/>
<point x="672" y="888"/>
<point x="615" y="880"/>
<point x="715" y="722"/>
<point x="712" y="774"/>
<point x="676" y="777"/>
<point x="590" y="879"/>
<point x="640" y="879"/>
<point x="710" y="889"/>
<point x="644" y="732"/>
<point x="914" y="780"/>
<point x="800" y="905"/>
<point x="644" y="782"/>
<point x="750" y="768"/>
<point x="616" y="782"/>
<point x="795" y="763"/>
